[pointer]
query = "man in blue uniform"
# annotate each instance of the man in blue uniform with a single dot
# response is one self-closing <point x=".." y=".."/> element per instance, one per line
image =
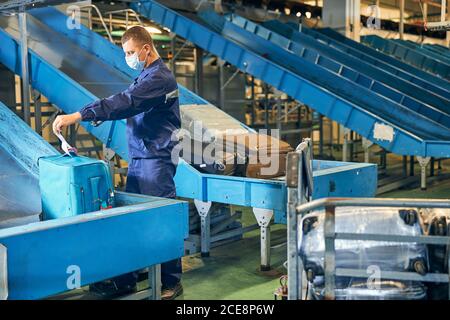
<point x="150" y="105"/>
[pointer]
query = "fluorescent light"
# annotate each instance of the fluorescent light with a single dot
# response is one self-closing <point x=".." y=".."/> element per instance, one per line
<point x="149" y="29"/>
<point x="153" y="30"/>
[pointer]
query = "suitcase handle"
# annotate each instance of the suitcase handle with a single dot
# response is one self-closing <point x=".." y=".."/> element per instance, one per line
<point x="67" y="148"/>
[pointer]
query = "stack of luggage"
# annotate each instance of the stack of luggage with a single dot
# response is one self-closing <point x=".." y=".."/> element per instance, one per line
<point x="215" y="143"/>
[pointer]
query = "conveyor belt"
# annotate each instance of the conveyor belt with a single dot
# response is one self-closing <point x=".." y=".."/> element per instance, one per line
<point x="20" y="148"/>
<point x="368" y="61"/>
<point x="360" y="73"/>
<point x="20" y="200"/>
<point x="377" y="58"/>
<point x="429" y="51"/>
<point x="409" y="55"/>
<point x="305" y="79"/>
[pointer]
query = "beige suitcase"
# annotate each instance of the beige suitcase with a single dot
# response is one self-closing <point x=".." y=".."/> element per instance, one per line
<point x="265" y="156"/>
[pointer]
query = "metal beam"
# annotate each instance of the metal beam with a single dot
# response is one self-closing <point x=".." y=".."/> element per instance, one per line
<point x="402" y="19"/>
<point x="24" y="65"/>
<point x="19" y="5"/>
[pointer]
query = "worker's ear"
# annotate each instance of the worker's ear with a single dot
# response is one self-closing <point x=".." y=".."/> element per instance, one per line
<point x="148" y="48"/>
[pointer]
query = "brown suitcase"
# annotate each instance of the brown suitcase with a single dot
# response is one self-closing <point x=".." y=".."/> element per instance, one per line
<point x="275" y="168"/>
<point x="208" y="160"/>
<point x="265" y="155"/>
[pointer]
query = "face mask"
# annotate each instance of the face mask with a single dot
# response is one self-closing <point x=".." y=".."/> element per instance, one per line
<point x="134" y="63"/>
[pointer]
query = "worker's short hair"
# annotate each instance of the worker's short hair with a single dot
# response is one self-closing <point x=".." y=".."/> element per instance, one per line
<point x="138" y="34"/>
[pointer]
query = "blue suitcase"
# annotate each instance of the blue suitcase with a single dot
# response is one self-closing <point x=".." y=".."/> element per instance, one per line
<point x="72" y="185"/>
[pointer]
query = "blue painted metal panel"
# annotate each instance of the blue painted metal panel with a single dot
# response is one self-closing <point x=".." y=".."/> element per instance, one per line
<point x="408" y="55"/>
<point x="437" y="49"/>
<point x="317" y="97"/>
<point x="374" y="57"/>
<point x="359" y="72"/>
<point x="424" y="50"/>
<point x="102" y="244"/>
<point x="330" y="178"/>
<point x="363" y="63"/>
<point x="334" y="178"/>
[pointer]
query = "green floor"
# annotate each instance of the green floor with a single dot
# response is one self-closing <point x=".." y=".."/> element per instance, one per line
<point x="232" y="271"/>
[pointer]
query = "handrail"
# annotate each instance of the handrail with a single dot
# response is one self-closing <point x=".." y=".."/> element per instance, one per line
<point x="126" y="11"/>
<point x="93" y="6"/>
<point x="371" y="202"/>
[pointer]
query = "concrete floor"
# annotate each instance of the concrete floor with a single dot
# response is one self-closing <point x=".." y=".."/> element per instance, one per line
<point x="232" y="271"/>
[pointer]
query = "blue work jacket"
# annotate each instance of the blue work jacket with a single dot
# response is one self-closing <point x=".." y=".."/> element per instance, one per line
<point x="150" y="105"/>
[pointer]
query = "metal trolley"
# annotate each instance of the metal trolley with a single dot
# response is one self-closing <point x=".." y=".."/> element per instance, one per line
<point x="299" y="185"/>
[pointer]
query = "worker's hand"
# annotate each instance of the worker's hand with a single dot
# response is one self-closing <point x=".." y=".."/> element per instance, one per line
<point x="65" y="121"/>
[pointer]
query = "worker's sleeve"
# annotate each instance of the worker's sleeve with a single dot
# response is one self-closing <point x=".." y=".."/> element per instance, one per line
<point x="141" y="96"/>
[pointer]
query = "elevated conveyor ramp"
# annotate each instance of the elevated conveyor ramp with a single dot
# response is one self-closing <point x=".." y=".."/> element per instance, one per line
<point x="362" y="59"/>
<point x="375" y="57"/>
<point x="390" y="125"/>
<point x="75" y="67"/>
<point x="429" y="51"/>
<point x="358" y="72"/>
<point x="413" y="56"/>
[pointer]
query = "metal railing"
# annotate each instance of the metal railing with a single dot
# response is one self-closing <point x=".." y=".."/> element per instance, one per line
<point x="330" y="235"/>
<point x="127" y="12"/>
<point x="89" y="8"/>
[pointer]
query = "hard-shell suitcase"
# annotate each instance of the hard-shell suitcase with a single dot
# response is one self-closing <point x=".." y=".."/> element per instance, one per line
<point x="365" y="255"/>
<point x="207" y="123"/>
<point x="265" y="155"/>
<point x="207" y="159"/>
<point x="72" y="185"/>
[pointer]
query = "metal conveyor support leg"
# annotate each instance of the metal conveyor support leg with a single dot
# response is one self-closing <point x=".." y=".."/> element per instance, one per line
<point x="423" y="162"/>
<point x="204" y="209"/>
<point x="154" y="278"/>
<point x="345" y="146"/>
<point x="24" y="68"/>
<point x="263" y="217"/>
<point x="366" y="146"/>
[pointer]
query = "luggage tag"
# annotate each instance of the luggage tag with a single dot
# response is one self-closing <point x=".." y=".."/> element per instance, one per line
<point x="67" y="148"/>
